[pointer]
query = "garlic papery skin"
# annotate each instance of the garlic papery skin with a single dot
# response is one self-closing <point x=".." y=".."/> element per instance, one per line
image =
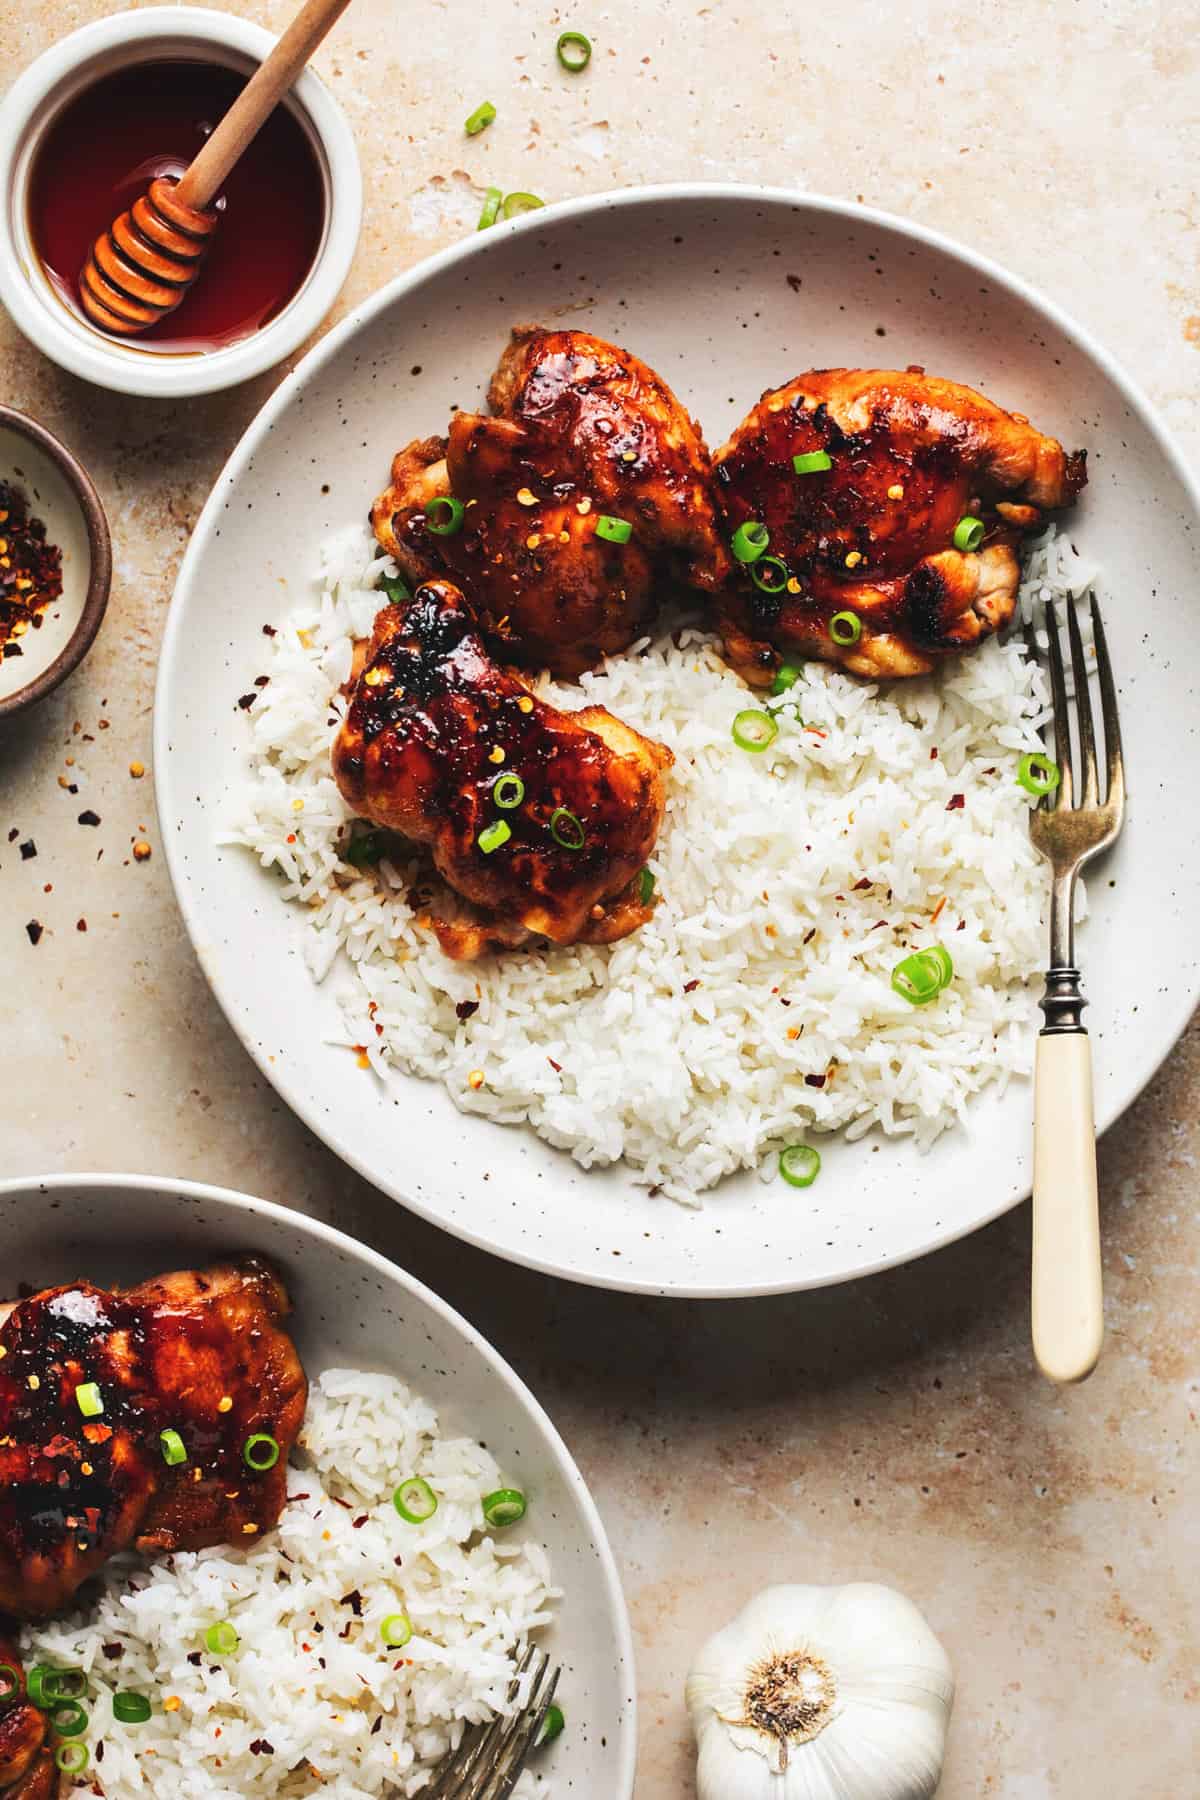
<point x="821" y="1693"/>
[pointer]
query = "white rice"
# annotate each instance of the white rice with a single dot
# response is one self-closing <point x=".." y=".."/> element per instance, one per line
<point x="311" y="1702"/>
<point x="756" y="1006"/>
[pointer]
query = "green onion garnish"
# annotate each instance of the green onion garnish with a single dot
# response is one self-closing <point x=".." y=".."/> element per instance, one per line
<point x="260" y="1452"/>
<point x="491" y="209"/>
<point x="566" y="829"/>
<point x="365" y="850"/>
<point x="72" y="1759"/>
<point x="89" y="1399"/>
<point x="812" y="462"/>
<point x="174" y="1450"/>
<point x="415" y="1500"/>
<point x="770" y="573"/>
<point x="750" y="540"/>
<point x="64" y="1684"/>
<point x="845" y="628"/>
<point x="516" y="204"/>
<point x="645" y="886"/>
<point x="551" y="1725"/>
<point x="1037" y="774"/>
<point x="754" y="730"/>
<point x="35" y="1685"/>
<point x="395" y="589"/>
<point x="799" y="1165"/>
<point x="131" y="1709"/>
<point x="968" y="533"/>
<point x="480" y="119"/>
<point x="617" y="531"/>
<point x="508" y="791"/>
<point x="444" y="515"/>
<point x="574" y="51"/>
<point x="221" y="1639"/>
<point x="786" y="676"/>
<point x="493" y="835"/>
<point x="504" y="1507"/>
<point x="921" y="977"/>
<point x="10" y="1684"/>
<point x="396" y="1631"/>
<point x="68" y="1718"/>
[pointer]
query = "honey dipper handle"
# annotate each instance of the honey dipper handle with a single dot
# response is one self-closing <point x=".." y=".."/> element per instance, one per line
<point x="258" y="99"/>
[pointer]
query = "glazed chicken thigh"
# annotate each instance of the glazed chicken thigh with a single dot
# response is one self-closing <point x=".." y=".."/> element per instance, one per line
<point x="90" y="1379"/>
<point x="27" y="1768"/>
<point x="539" y="818"/>
<point x="584" y="441"/>
<point x="872" y="534"/>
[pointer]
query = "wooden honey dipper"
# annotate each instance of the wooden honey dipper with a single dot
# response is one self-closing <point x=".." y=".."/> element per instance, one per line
<point x="143" y="265"/>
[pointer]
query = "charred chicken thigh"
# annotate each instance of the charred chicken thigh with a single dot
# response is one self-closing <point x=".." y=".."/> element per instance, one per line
<point x="587" y="487"/>
<point x="878" y="519"/>
<point x="540" y="819"/>
<point x="89" y="1382"/>
<point x="27" y="1768"/>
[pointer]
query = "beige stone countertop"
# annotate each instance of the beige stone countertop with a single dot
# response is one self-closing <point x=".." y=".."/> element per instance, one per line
<point x="892" y="1429"/>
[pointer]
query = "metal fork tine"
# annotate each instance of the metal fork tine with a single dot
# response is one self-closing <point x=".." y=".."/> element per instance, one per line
<point x="468" y="1768"/>
<point x="1062" y="718"/>
<point x="1115" y="762"/>
<point x="1083" y="708"/>
<point x="525" y="1743"/>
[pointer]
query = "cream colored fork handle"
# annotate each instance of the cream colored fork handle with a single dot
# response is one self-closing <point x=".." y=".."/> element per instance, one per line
<point x="1068" y="1303"/>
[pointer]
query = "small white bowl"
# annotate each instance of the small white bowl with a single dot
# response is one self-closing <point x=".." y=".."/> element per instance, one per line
<point x="162" y="33"/>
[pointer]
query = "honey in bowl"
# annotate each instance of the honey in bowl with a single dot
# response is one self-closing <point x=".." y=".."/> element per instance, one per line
<point x="106" y="146"/>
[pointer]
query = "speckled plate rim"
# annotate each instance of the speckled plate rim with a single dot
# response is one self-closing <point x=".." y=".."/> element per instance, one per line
<point x="338" y="1243"/>
<point x="1178" y="1008"/>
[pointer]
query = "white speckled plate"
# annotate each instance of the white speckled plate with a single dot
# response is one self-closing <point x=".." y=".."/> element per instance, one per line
<point x="352" y="1308"/>
<point x="726" y="291"/>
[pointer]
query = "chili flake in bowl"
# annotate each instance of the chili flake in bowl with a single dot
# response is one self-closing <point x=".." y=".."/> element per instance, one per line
<point x="30" y="569"/>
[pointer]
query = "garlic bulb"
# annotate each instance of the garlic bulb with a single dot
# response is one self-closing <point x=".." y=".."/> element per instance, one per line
<point x="821" y="1693"/>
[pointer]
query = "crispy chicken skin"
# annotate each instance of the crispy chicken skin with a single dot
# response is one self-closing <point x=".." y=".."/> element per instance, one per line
<point x="580" y="429"/>
<point x="873" y="535"/>
<point x="201" y="1352"/>
<point x="432" y="725"/>
<point x="27" y="1770"/>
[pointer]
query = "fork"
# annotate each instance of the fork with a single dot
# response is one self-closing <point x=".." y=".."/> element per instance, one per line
<point x="491" y="1755"/>
<point x="1067" y="1297"/>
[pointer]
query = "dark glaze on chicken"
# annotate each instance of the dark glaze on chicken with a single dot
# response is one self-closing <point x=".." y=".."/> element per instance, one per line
<point x="434" y="724"/>
<point x="27" y="1768"/>
<point x="873" y="535"/>
<point x="581" y="430"/>
<point x="199" y="1352"/>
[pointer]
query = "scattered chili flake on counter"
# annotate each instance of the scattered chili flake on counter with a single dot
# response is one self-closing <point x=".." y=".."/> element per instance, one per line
<point x="89" y="817"/>
<point x="34" y="929"/>
<point x="141" y="851"/>
<point x="30" y="568"/>
<point x="955" y="803"/>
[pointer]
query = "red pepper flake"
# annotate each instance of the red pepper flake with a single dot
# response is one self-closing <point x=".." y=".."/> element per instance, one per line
<point x="817" y="1081"/>
<point x="114" y="1652"/>
<point x="961" y="926"/>
<point x="557" y="1067"/>
<point x="260" y="1747"/>
<point x="955" y="803"/>
<point x="89" y="817"/>
<point x="262" y="681"/>
<point x="357" y="1524"/>
<point x="28" y="849"/>
<point x="811" y="935"/>
<point x="689" y="987"/>
<point x="866" y="882"/>
<point x="933" y="754"/>
<point x="269" y="631"/>
<point x="246" y="701"/>
<point x="34" y="930"/>
<point x="30" y="569"/>
<point x="937" y="911"/>
<point x="465" y="1008"/>
<point x="14" y="834"/>
<point x="81" y="924"/>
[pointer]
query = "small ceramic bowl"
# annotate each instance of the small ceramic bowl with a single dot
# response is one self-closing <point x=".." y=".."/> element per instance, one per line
<point x="156" y="34"/>
<point x="60" y="493"/>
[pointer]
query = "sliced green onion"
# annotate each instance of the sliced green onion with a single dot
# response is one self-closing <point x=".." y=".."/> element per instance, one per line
<point x="365" y="850"/>
<point x="395" y="589"/>
<point x="131" y="1709"/>
<point x="921" y="977"/>
<point x="35" y="1685"/>
<point x="491" y="209"/>
<point x="786" y="676"/>
<point x="845" y="628"/>
<point x="551" y="1726"/>
<point x="1038" y="774"/>
<point x="799" y="1165"/>
<point x="480" y="119"/>
<point x="260" y="1452"/>
<point x="516" y="204"/>
<point x="10" y="1684"/>
<point x="493" y="835"/>
<point x="812" y="462"/>
<point x="72" y="1759"/>
<point x="396" y="1631"/>
<point x="750" y="540"/>
<point x="504" y="1507"/>
<point x="566" y="829"/>
<point x="221" y="1639"/>
<point x="617" y="531"/>
<point x="449" y="515"/>
<point x="941" y="958"/>
<point x="68" y="1718"/>
<point x="645" y="886"/>
<point x="778" y="578"/>
<point x="415" y="1500"/>
<point x="508" y="791"/>
<point x="174" y="1450"/>
<point x="754" y="730"/>
<point x="64" y="1684"/>
<point x="89" y="1399"/>
<point x="968" y="533"/>
<point x="574" y="51"/>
